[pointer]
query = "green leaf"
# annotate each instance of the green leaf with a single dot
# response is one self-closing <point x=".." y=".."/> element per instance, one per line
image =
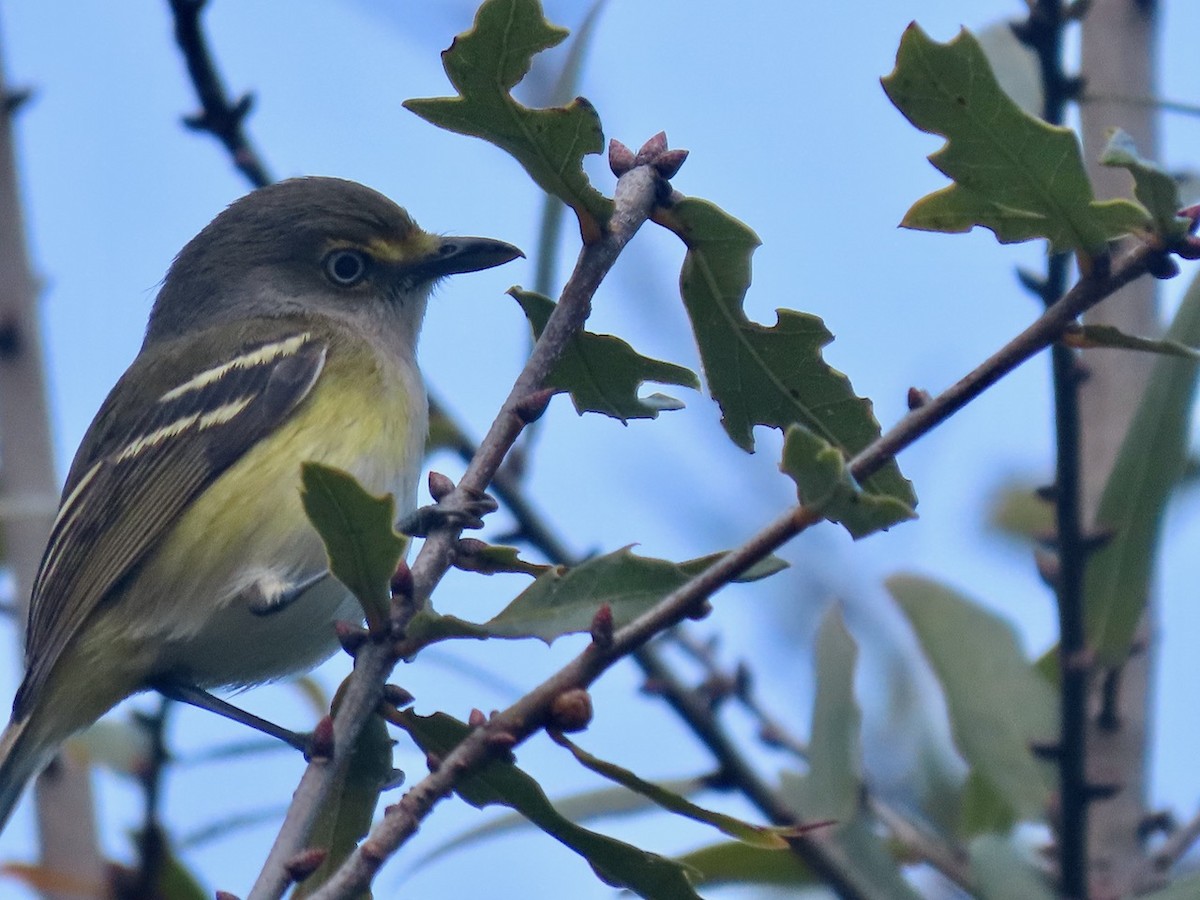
<point x="483" y="65"/>
<point x="823" y="483"/>
<point x="737" y="863"/>
<point x="1087" y="336"/>
<point x="998" y="706"/>
<point x="360" y="538"/>
<point x="604" y="803"/>
<point x="499" y="782"/>
<point x="1003" y="873"/>
<point x="1158" y="191"/>
<point x="765" y="375"/>
<point x="764" y="837"/>
<point x="1148" y="467"/>
<point x="565" y="601"/>
<point x="1016" y="511"/>
<point x="603" y="373"/>
<point x="345" y="817"/>
<point x="833" y="786"/>
<point x="1013" y="173"/>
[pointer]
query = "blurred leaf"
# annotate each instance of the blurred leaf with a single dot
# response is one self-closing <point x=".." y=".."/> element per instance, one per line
<point x="1156" y="190"/>
<point x="1014" y="64"/>
<point x="1186" y="887"/>
<point x="47" y="881"/>
<point x="1148" y="466"/>
<point x="832" y="789"/>
<point x="1088" y="336"/>
<point x="177" y="883"/>
<point x="764" y="837"/>
<point x="764" y="375"/>
<point x="565" y="601"/>
<point x="602" y="372"/>
<point x="345" y="817"/>
<point x="359" y="534"/>
<point x="998" y="706"/>
<point x="1014" y="509"/>
<point x="1003" y="873"/>
<point x="121" y="745"/>
<point x="483" y="65"/>
<point x="981" y="808"/>
<point x="823" y="483"/>
<point x="1013" y="173"/>
<point x="582" y="807"/>
<point x="499" y="782"/>
<point x="737" y="863"/>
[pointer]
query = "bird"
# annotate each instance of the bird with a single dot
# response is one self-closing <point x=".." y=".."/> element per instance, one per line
<point x="180" y="559"/>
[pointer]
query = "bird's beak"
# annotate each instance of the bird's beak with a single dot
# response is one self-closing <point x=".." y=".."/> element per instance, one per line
<point x="454" y="255"/>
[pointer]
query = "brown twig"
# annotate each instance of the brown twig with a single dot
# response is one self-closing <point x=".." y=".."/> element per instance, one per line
<point x="218" y="116"/>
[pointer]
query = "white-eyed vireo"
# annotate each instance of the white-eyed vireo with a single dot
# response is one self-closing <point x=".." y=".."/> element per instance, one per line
<point x="285" y="331"/>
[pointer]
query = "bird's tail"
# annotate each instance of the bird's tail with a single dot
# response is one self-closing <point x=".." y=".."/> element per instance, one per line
<point x="22" y="756"/>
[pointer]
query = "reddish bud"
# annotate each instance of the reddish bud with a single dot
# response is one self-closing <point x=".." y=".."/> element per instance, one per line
<point x="667" y="164"/>
<point x="350" y="636"/>
<point x="602" y="627"/>
<point x="620" y="158"/>
<point x="433" y="762"/>
<point x="917" y="398"/>
<point x="305" y="863"/>
<point x="440" y="486"/>
<point x="320" y="744"/>
<point x="402" y="581"/>
<point x="225" y="895"/>
<point x="651" y="150"/>
<point x="571" y="710"/>
<point x="476" y="718"/>
<point x="533" y="405"/>
<point x="397" y="696"/>
<point x="700" y="611"/>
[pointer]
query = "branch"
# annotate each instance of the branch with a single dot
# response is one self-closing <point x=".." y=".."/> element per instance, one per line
<point x="1043" y="31"/>
<point x="635" y="196"/>
<point x="218" y="116"/>
<point x="516" y="723"/>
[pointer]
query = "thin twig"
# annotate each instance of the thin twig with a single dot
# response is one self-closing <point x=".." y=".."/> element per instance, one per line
<point x="218" y="116"/>
<point x="1043" y="32"/>
<point x="151" y="841"/>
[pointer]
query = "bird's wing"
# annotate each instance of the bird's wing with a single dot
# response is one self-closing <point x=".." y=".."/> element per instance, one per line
<point x="136" y="474"/>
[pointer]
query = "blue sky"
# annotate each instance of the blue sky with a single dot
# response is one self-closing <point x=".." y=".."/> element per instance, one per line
<point x="789" y="130"/>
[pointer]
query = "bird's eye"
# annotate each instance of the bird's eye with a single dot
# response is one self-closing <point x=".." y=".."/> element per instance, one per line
<point x="345" y="267"/>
